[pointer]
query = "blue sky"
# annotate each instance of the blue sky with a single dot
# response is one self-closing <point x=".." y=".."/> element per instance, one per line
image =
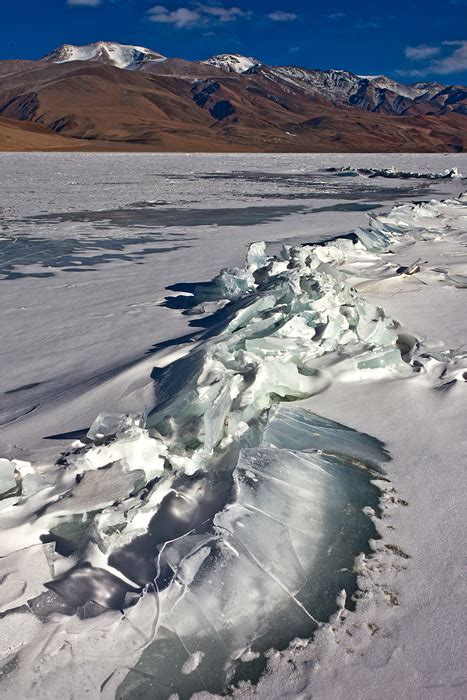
<point x="408" y="40"/>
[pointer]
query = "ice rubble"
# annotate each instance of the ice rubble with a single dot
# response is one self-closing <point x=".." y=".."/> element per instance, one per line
<point x="449" y="173"/>
<point x="227" y="521"/>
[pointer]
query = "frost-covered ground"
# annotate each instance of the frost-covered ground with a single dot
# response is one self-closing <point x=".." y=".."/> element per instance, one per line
<point x="90" y="245"/>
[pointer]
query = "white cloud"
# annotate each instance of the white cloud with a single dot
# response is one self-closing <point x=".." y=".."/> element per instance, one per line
<point x="182" y="17"/>
<point x="336" y="15"/>
<point x="280" y="16"/>
<point x="454" y="61"/>
<point x="86" y="3"/>
<point x="421" y="52"/>
<point x="199" y="14"/>
<point x="223" y="14"/>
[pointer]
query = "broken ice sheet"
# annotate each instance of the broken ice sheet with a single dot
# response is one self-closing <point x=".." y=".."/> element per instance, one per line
<point x="215" y="418"/>
<point x="176" y="387"/>
<point x="97" y="489"/>
<point x="387" y="358"/>
<point x="295" y="428"/>
<point x="86" y="585"/>
<point x="373" y="241"/>
<point x="284" y="549"/>
<point x="110" y="424"/>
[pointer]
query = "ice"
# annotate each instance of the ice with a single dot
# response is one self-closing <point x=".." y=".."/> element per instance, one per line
<point x="376" y="332"/>
<point x="7" y="477"/>
<point x="87" y="585"/>
<point x="448" y="173"/>
<point x="215" y="418"/>
<point x="132" y="448"/>
<point x="299" y="429"/>
<point x="256" y="256"/>
<point x="227" y="522"/>
<point x="176" y="387"/>
<point x="382" y="359"/>
<point x="229" y="284"/>
<point x="219" y="401"/>
<point x="372" y="240"/>
<point x="266" y="350"/>
<point x="250" y="312"/>
<point x="109" y="424"/>
<point x="279" y="547"/>
<point x="406" y="224"/>
<point x="97" y="489"/>
<point x="285" y="502"/>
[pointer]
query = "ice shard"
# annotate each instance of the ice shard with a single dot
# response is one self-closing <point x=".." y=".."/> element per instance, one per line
<point x="296" y="428"/>
<point x="108" y="425"/>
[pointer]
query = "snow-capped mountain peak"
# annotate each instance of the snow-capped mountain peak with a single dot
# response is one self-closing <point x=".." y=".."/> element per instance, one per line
<point x="233" y="63"/>
<point x="384" y="83"/>
<point x="112" y="53"/>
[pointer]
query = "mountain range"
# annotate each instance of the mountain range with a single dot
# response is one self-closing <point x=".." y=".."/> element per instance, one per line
<point x="110" y="96"/>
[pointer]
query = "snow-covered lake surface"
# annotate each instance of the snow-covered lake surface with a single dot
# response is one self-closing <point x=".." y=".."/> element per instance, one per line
<point x="100" y="256"/>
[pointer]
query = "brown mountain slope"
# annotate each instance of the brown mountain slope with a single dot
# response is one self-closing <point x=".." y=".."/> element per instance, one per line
<point x="11" y="67"/>
<point x="139" y="110"/>
<point x="24" y="136"/>
<point x="29" y="136"/>
<point x="183" y="69"/>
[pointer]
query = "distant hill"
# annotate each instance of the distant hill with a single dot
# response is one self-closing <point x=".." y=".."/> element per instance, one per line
<point x="109" y="95"/>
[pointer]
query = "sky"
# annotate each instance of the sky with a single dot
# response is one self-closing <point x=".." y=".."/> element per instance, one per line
<point x="407" y="40"/>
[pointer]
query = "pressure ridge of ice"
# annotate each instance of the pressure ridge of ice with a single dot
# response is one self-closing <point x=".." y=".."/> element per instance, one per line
<point x="449" y="173"/>
<point x="170" y="551"/>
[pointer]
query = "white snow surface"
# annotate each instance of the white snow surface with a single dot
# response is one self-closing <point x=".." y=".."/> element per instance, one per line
<point x="95" y="244"/>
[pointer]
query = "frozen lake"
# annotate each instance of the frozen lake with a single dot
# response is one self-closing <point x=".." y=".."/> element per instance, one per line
<point x="92" y="242"/>
<point x="269" y="439"/>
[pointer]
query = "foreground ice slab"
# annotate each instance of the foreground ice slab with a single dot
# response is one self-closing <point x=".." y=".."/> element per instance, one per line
<point x="278" y="556"/>
<point x="171" y="552"/>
